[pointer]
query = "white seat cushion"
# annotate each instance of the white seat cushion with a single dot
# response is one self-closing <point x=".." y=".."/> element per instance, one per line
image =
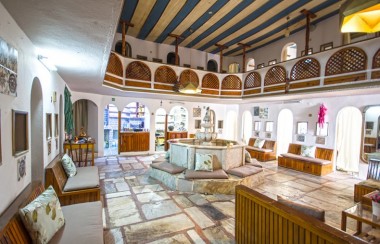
<point x="86" y="178"/>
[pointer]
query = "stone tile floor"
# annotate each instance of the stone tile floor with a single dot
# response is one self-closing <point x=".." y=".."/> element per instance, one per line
<point x="138" y="209"/>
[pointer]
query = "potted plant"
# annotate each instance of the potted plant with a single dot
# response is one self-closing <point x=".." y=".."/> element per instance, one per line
<point x="376" y="204"/>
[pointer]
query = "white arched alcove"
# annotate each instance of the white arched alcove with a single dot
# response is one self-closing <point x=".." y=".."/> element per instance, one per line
<point x="250" y="64"/>
<point x="284" y="130"/>
<point x="246" y="126"/>
<point x="289" y="51"/>
<point x="231" y="125"/>
<point x="159" y="130"/>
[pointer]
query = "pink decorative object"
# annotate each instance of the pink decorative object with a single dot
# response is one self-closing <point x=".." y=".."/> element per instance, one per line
<point x="321" y="115"/>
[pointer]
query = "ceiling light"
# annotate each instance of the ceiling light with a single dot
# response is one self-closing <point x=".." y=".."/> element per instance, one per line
<point x="190" y="88"/>
<point x="47" y="63"/>
<point x="361" y="16"/>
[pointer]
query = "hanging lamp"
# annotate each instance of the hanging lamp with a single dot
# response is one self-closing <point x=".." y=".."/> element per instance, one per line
<point x="360" y="16"/>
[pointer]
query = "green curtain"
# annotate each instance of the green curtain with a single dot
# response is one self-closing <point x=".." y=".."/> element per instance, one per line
<point x="68" y="112"/>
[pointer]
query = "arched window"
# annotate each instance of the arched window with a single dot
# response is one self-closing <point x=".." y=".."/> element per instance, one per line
<point x="233" y="68"/>
<point x="170" y="59"/>
<point x="250" y="64"/>
<point x="212" y="65"/>
<point x="128" y="49"/>
<point x="289" y="51"/>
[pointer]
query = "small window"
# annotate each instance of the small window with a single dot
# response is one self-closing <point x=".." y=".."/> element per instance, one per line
<point x="289" y="51"/>
<point x="170" y="59"/>
<point x="251" y="64"/>
<point x="212" y="66"/>
<point x="128" y="49"/>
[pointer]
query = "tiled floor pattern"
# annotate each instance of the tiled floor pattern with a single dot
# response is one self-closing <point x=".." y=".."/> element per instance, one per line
<point x="138" y="209"/>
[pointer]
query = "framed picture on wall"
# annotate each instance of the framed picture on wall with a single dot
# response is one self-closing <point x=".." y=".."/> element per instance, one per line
<point x="256" y="133"/>
<point x="301" y="138"/>
<point x="197" y="112"/>
<point x="301" y="128"/>
<point x="257" y="125"/>
<point x="256" y="111"/>
<point x="197" y="124"/>
<point x="263" y="113"/>
<point x="259" y="66"/>
<point x="268" y="135"/>
<point x="326" y="46"/>
<point x="269" y="126"/>
<point x="272" y="62"/>
<point x="309" y="51"/>
<point x="320" y="140"/>
<point x="322" y="131"/>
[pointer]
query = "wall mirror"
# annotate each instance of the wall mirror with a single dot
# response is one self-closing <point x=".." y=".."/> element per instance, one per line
<point x="301" y="128"/>
<point x="371" y="132"/>
<point x="269" y="126"/>
<point x="256" y="125"/>
<point x="20" y="138"/>
<point x="322" y="130"/>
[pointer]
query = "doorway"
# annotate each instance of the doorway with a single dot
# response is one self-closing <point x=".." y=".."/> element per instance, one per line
<point x="160" y="130"/>
<point x="246" y="126"/>
<point x="36" y="122"/>
<point x="348" y="139"/>
<point x="284" y="130"/>
<point x="110" y="127"/>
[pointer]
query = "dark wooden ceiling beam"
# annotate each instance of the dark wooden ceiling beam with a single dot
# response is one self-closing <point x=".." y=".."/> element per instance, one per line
<point x="124" y="25"/>
<point x="221" y="48"/>
<point x="177" y="38"/>
<point x="244" y="46"/>
<point x="309" y="15"/>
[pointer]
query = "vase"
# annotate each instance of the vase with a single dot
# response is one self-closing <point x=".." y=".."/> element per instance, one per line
<point x="376" y="208"/>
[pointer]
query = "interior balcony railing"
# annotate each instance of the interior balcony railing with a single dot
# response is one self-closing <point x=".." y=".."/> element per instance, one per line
<point x="349" y="67"/>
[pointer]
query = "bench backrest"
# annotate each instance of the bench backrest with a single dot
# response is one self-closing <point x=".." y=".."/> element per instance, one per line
<point x="268" y="144"/>
<point x="260" y="219"/>
<point x="321" y="153"/>
<point x="55" y="175"/>
<point x="12" y="229"/>
<point x="373" y="169"/>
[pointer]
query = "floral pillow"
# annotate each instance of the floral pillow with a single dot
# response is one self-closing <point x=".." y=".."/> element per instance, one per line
<point x="259" y="143"/>
<point x="69" y="166"/>
<point x="43" y="217"/>
<point x="248" y="158"/>
<point x="308" y="151"/>
<point x="203" y="162"/>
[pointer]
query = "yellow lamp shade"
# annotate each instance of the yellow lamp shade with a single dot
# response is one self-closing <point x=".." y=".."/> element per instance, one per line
<point x="366" y="20"/>
<point x="190" y="88"/>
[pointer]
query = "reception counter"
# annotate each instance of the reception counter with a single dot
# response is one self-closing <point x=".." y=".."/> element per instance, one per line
<point x="134" y="141"/>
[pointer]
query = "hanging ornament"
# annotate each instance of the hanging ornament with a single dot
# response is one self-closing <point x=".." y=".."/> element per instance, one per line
<point x="321" y="115"/>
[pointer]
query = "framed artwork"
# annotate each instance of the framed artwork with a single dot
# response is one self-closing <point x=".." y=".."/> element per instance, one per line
<point x="301" y="138"/>
<point x="197" y="112"/>
<point x="326" y="46"/>
<point x="263" y="113"/>
<point x="309" y="51"/>
<point x="268" y="135"/>
<point x="49" y="147"/>
<point x="256" y="134"/>
<point x="369" y="125"/>
<point x="220" y="131"/>
<point x="19" y="132"/>
<point x="256" y="125"/>
<point x="272" y="62"/>
<point x="269" y="126"/>
<point x="301" y="128"/>
<point x="256" y="111"/>
<point x="197" y="124"/>
<point x="220" y="124"/>
<point x="21" y="168"/>
<point x="324" y="131"/>
<point x="320" y="140"/>
<point x="8" y="69"/>
<point x="262" y="65"/>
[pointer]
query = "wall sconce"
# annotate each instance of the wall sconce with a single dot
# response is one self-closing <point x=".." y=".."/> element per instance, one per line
<point x="47" y="63"/>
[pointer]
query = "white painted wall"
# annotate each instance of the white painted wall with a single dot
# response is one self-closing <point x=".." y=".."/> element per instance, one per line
<point x="28" y="68"/>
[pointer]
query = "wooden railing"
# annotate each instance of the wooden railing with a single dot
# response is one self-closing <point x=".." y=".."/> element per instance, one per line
<point x="260" y="219"/>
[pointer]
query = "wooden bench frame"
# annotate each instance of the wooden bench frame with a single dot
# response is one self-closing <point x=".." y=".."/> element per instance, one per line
<point x="263" y="156"/>
<point x="56" y="176"/>
<point x="305" y="165"/>
<point x="372" y="173"/>
<point x="260" y="219"/>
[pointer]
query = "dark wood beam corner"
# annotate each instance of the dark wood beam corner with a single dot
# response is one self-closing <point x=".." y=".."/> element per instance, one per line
<point x="243" y="44"/>
<point x="127" y="23"/>
<point x="175" y="36"/>
<point x="221" y="46"/>
<point x="308" y="13"/>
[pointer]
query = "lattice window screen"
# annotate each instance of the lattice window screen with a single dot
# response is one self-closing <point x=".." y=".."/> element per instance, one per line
<point x="376" y="60"/>
<point x="114" y="65"/>
<point x="305" y="68"/>
<point x="231" y="82"/>
<point x="275" y="75"/>
<point x="165" y="74"/>
<point x="210" y="81"/>
<point x="346" y="60"/>
<point x="188" y="76"/>
<point x="138" y="70"/>
<point x="252" y="80"/>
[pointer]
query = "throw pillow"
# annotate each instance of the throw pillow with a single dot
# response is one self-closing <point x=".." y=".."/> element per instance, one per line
<point x="259" y="143"/>
<point x="203" y="162"/>
<point x="43" y="217"/>
<point x="311" y="211"/>
<point x="69" y="166"/>
<point x="308" y="151"/>
<point x="248" y="158"/>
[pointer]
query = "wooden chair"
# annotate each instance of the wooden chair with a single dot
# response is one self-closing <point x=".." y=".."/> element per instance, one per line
<point x="372" y="183"/>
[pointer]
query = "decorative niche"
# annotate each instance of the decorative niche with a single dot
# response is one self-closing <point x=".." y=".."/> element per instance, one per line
<point x="56" y="125"/>
<point x="197" y="124"/>
<point x="301" y="128"/>
<point x="20" y="138"/>
<point x="256" y="125"/>
<point x="220" y="124"/>
<point x="48" y="126"/>
<point x="269" y="126"/>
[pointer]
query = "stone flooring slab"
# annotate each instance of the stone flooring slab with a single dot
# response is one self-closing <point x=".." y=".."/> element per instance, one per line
<point x="211" y="211"/>
<point x="122" y="211"/>
<point x="181" y="238"/>
<point x="182" y="201"/>
<point x="198" y="199"/>
<point x="152" y="197"/>
<point x="227" y="208"/>
<point x="113" y="236"/>
<point x="217" y="235"/>
<point x="199" y="218"/>
<point x="229" y="225"/>
<point x="195" y="237"/>
<point x="118" y="194"/>
<point x="147" y="188"/>
<point x="160" y="209"/>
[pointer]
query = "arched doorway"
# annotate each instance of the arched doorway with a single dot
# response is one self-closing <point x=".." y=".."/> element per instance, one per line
<point x="246" y="126"/>
<point x="212" y="65"/>
<point x="160" y="129"/>
<point x="289" y="51"/>
<point x="284" y="130"/>
<point x="178" y="119"/>
<point x="231" y="124"/>
<point x="348" y="139"/>
<point x="250" y="64"/>
<point x="119" y="49"/>
<point x="36" y="122"/>
<point x="111" y="133"/>
<point x="170" y="59"/>
<point x="85" y="117"/>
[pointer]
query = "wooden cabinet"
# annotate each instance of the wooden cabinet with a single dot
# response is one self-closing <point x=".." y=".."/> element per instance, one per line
<point x="134" y="141"/>
<point x="174" y="135"/>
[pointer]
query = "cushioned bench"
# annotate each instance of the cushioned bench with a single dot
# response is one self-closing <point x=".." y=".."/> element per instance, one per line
<point x="168" y="167"/>
<point x="372" y="183"/>
<point x="83" y="187"/>
<point x="245" y="170"/>
<point x="83" y="222"/>
<point x="266" y="153"/>
<point x="320" y="165"/>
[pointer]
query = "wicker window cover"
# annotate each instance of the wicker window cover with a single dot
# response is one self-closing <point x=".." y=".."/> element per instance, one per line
<point x="114" y="65"/>
<point x="138" y="70"/>
<point x="376" y="60"/>
<point x="188" y="76"/>
<point x="275" y="75"/>
<point x="210" y="81"/>
<point x="165" y="74"/>
<point x="252" y="80"/>
<point x="231" y="82"/>
<point x="305" y="68"/>
<point x="346" y="60"/>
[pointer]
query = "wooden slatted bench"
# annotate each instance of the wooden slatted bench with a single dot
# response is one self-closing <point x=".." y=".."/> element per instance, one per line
<point x="320" y="165"/>
<point x="83" y="187"/>
<point x="266" y="153"/>
<point x="372" y="183"/>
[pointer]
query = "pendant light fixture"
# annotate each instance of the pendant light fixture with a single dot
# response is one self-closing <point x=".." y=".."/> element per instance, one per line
<point x="360" y="16"/>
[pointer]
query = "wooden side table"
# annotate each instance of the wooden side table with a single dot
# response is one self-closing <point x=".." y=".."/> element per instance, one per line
<point x="362" y="214"/>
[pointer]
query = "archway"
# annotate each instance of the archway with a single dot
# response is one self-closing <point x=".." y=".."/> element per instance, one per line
<point x="178" y="119"/>
<point x="170" y="59"/>
<point x="111" y="133"/>
<point x="289" y="51"/>
<point x="212" y="65"/>
<point x="231" y="124"/>
<point x="250" y="64"/>
<point x="85" y="117"/>
<point x="284" y="130"/>
<point x="246" y="126"/>
<point x="119" y="48"/>
<point x="36" y="122"/>
<point x="348" y="139"/>
<point x="160" y="129"/>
